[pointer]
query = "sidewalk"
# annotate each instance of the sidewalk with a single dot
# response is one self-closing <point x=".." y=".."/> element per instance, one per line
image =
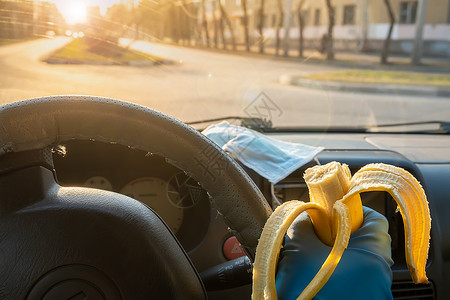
<point x="362" y="60"/>
<point x="344" y="59"/>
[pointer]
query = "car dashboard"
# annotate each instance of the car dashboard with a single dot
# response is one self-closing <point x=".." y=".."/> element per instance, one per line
<point x="188" y="211"/>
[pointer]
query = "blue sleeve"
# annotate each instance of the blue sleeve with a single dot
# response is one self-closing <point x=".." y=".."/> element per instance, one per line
<point x="362" y="273"/>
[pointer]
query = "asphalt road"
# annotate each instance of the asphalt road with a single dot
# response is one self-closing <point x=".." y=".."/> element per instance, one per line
<point x="207" y="84"/>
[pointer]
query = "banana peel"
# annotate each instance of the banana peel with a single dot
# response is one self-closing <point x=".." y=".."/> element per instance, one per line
<point x="335" y="210"/>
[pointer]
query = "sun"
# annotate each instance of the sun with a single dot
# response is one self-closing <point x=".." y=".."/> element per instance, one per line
<point x="73" y="11"/>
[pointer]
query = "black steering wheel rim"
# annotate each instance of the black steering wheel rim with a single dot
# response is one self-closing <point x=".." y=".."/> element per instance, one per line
<point x="42" y="122"/>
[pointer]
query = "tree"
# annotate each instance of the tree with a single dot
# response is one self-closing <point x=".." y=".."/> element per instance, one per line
<point x="245" y="20"/>
<point x="216" y="31"/>
<point x="224" y="16"/>
<point x="117" y="20"/>
<point x="418" y="39"/>
<point x="221" y="28"/>
<point x="186" y="22"/>
<point x="279" y="24"/>
<point x="151" y="19"/>
<point x="287" y="26"/>
<point x="205" y="23"/>
<point x="387" y="41"/>
<point x="329" y="38"/>
<point x="261" y="27"/>
<point x="301" y="26"/>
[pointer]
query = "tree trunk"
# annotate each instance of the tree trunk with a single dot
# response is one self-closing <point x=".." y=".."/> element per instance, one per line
<point x="279" y="24"/>
<point x="188" y="25"/>
<point x="387" y="41"/>
<point x="216" y="30"/>
<point x="205" y="23"/>
<point x="329" y="39"/>
<point x="185" y="23"/>
<point x="228" y="22"/>
<point x="261" y="27"/>
<point x="247" y="40"/>
<point x="221" y="28"/>
<point x="179" y="28"/>
<point x="301" y="26"/>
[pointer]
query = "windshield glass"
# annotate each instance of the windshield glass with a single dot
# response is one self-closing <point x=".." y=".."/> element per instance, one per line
<point x="326" y="64"/>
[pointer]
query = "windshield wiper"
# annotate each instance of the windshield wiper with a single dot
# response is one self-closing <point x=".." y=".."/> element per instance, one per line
<point x="413" y="127"/>
<point x="257" y="124"/>
<point x="422" y="127"/>
<point x="263" y="125"/>
<point x="330" y="129"/>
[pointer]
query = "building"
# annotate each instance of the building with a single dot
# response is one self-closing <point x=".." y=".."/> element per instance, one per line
<point x="26" y="18"/>
<point x="16" y="18"/>
<point x="360" y="25"/>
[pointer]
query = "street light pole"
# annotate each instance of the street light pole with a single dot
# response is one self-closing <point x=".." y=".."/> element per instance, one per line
<point x="418" y="40"/>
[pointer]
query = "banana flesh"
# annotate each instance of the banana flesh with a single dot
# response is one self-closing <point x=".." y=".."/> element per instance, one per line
<point x="326" y="185"/>
<point x="335" y="209"/>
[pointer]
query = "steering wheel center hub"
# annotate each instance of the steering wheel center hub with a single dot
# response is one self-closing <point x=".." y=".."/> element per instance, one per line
<point x="74" y="282"/>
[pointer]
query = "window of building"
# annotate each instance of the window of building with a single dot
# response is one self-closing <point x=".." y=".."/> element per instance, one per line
<point x="266" y="21"/>
<point x="349" y="15"/>
<point x="408" y="11"/>
<point x="305" y="17"/>
<point x="317" y="17"/>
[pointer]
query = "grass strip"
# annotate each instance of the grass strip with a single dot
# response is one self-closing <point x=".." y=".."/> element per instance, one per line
<point x="384" y="77"/>
<point x="79" y="50"/>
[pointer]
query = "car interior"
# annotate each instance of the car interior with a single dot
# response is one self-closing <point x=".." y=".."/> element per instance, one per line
<point x="141" y="205"/>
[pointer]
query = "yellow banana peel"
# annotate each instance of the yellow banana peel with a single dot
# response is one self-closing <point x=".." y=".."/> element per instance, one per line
<point x="336" y="212"/>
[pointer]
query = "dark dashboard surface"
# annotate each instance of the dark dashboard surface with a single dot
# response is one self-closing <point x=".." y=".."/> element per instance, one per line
<point x="186" y="208"/>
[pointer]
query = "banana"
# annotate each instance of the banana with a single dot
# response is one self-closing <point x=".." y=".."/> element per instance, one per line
<point x="335" y="210"/>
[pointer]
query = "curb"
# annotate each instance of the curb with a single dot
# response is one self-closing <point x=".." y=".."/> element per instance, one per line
<point x="57" y="61"/>
<point x="408" y="90"/>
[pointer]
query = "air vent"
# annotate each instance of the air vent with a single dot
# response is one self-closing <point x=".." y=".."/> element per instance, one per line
<point x="407" y="290"/>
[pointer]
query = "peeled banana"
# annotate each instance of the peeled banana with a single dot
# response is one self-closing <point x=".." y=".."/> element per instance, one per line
<point x="336" y="212"/>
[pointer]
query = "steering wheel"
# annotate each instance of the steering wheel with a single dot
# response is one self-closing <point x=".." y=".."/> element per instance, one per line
<point x="60" y="242"/>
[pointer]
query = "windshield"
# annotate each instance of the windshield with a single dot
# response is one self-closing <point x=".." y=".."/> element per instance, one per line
<point x="325" y="64"/>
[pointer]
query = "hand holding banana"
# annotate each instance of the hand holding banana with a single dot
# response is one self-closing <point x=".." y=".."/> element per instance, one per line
<point x="336" y="212"/>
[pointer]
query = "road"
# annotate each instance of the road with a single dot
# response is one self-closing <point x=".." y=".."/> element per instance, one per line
<point x="207" y="84"/>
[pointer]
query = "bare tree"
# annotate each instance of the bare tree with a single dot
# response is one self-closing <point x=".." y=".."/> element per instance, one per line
<point x="329" y="38"/>
<point x="216" y="30"/>
<point x="387" y="41"/>
<point x="261" y="27"/>
<point x="221" y="27"/>
<point x="184" y="23"/>
<point x="279" y="24"/>
<point x="301" y="27"/>
<point x="224" y="15"/>
<point x="179" y="28"/>
<point x="245" y="20"/>
<point x="205" y="22"/>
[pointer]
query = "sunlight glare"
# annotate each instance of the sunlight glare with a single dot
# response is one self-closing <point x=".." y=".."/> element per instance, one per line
<point x="74" y="11"/>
